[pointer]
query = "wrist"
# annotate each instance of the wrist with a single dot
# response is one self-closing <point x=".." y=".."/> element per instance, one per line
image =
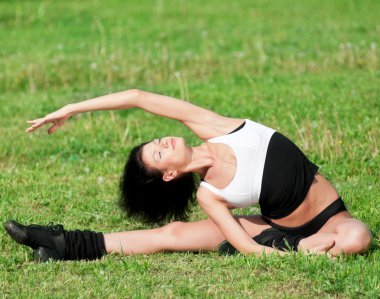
<point x="70" y="109"/>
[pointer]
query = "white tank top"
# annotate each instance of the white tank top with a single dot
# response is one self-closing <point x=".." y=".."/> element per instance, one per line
<point x="250" y="145"/>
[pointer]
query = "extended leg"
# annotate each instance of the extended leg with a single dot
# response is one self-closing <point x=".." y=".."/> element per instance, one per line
<point x="177" y="236"/>
<point x="193" y="236"/>
<point x="56" y="243"/>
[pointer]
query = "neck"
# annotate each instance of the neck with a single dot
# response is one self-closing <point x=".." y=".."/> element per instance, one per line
<point x="201" y="158"/>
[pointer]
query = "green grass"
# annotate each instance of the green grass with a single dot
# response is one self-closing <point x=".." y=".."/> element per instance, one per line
<point x="309" y="69"/>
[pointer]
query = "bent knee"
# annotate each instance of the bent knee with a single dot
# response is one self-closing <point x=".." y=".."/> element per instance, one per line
<point x="357" y="240"/>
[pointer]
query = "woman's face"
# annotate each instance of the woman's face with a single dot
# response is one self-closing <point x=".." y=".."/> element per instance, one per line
<point x="168" y="154"/>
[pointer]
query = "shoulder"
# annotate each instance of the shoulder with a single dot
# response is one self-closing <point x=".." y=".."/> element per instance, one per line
<point x="206" y="197"/>
<point x="204" y="194"/>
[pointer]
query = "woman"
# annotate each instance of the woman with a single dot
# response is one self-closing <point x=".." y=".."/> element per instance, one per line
<point x="241" y="163"/>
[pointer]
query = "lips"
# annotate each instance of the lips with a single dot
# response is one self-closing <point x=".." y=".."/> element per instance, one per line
<point x="173" y="143"/>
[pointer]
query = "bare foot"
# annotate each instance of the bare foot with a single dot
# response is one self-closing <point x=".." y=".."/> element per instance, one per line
<point x="317" y="249"/>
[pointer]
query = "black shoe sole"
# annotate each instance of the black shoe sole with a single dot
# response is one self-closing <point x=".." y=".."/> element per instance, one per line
<point x="43" y="255"/>
<point x="15" y="232"/>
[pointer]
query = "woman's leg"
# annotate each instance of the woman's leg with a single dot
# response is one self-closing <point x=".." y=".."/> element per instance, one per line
<point x="58" y="244"/>
<point x="53" y="242"/>
<point x="350" y="235"/>
<point x="177" y="236"/>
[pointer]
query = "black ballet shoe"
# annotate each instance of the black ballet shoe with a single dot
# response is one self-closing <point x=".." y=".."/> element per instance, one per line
<point x="35" y="236"/>
<point x="44" y="254"/>
<point x="225" y="248"/>
<point x="52" y="242"/>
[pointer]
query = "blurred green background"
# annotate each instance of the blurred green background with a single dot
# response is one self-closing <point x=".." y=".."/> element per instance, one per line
<point x="309" y="69"/>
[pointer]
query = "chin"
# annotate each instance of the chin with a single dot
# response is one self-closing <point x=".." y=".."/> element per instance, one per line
<point x="181" y="142"/>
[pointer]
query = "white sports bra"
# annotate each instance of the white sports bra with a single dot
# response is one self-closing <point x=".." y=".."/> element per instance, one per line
<point x="250" y="145"/>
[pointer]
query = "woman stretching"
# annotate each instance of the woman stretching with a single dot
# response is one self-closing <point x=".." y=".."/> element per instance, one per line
<point x="240" y="163"/>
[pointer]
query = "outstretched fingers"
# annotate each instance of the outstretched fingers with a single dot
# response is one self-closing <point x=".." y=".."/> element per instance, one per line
<point x="35" y="124"/>
<point x="34" y="121"/>
<point x="57" y="118"/>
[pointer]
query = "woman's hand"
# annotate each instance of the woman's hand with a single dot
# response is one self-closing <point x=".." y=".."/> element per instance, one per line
<point x="57" y="118"/>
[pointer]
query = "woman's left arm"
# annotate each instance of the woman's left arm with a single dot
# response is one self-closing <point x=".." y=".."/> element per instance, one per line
<point x="229" y="227"/>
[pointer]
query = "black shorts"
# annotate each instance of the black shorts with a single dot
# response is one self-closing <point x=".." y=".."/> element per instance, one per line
<point x="315" y="224"/>
<point x="287" y="178"/>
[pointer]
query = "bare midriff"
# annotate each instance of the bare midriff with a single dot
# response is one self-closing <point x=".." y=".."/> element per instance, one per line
<point x="320" y="195"/>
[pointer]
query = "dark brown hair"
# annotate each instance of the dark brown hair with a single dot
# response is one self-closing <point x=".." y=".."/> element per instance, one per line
<point x="145" y="195"/>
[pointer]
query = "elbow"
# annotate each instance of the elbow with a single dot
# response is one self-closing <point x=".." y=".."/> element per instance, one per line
<point x="134" y="96"/>
<point x="134" y="92"/>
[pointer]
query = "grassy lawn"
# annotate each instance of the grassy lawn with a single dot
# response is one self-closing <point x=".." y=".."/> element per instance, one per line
<point x="310" y="69"/>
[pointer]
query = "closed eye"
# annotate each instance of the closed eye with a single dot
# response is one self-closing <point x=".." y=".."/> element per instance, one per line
<point x="157" y="155"/>
<point x="157" y="143"/>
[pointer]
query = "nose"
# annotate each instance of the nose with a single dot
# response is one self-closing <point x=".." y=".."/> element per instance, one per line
<point x="165" y="142"/>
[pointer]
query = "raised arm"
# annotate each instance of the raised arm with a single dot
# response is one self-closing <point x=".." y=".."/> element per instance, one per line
<point x="204" y="123"/>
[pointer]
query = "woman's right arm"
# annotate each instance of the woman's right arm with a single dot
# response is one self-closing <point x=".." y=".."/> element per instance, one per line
<point x="204" y="123"/>
<point x="233" y="231"/>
